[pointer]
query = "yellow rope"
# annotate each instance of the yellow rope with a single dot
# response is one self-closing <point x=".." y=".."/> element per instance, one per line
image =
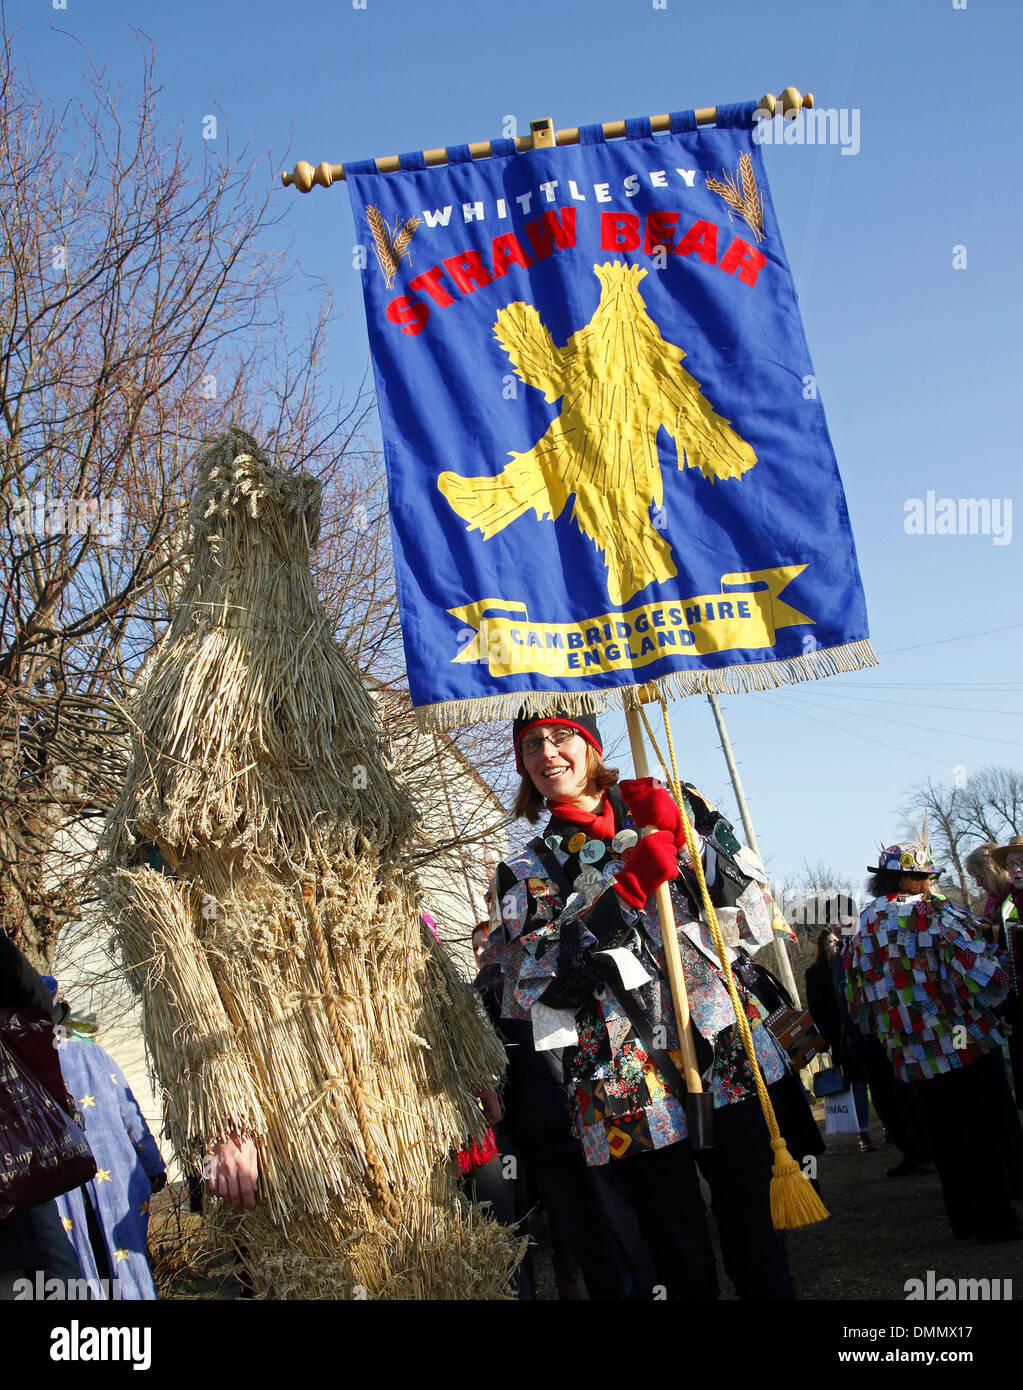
<point x="794" y="1202"/>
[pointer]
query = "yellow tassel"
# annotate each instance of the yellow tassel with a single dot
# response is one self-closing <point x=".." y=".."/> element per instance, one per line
<point x="794" y="1202"/>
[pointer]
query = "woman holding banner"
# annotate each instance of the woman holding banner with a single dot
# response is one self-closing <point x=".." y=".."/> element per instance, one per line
<point x="577" y="939"/>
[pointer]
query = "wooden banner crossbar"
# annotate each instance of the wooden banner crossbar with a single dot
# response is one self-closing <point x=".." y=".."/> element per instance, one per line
<point x="305" y="176"/>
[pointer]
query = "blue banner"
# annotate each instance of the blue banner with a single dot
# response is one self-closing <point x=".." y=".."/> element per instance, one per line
<point x="607" y="458"/>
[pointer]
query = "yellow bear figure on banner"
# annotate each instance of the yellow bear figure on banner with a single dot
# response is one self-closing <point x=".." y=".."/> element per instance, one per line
<point x="621" y="381"/>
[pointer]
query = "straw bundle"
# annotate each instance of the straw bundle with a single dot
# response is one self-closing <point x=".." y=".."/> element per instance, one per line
<point x="286" y="984"/>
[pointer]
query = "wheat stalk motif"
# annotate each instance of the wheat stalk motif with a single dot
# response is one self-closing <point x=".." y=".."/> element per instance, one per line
<point x="740" y="194"/>
<point x="390" y="246"/>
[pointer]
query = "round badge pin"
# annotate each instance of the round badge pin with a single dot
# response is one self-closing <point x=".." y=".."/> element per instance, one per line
<point x="576" y="843"/>
<point x="612" y="867"/>
<point x="592" y="852"/>
<point x="625" y="839"/>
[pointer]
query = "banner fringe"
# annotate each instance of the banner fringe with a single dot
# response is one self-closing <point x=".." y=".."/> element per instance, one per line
<point x="724" y="680"/>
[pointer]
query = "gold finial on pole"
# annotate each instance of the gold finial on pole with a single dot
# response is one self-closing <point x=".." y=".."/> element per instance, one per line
<point x="305" y="176"/>
<point x="791" y="103"/>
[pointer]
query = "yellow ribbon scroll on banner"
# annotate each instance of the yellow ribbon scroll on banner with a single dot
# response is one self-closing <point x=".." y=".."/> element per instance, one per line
<point x="743" y="615"/>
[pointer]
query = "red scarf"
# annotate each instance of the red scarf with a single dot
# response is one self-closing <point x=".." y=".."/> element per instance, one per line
<point x="600" y="824"/>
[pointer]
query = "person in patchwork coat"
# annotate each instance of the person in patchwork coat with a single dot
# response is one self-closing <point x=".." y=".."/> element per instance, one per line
<point x="576" y="937"/>
<point x="922" y="978"/>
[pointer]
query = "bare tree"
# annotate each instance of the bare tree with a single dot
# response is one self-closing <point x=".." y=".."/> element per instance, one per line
<point x="986" y="806"/>
<point x="139" y="312"/>
<point x="942" y="809"/>
<point x="993" y="803"/>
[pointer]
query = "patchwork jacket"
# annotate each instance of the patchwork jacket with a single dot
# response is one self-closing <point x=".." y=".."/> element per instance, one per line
<point x="921" y="976"/>
<point x="591" y="974"/>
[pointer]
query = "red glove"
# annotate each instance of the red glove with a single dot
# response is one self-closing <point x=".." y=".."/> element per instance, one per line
<point x="651" y="804"/>
<point x="651" y="862"/>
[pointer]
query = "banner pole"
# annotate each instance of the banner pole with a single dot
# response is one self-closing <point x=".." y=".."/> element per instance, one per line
<point x="306" y="176"/>
<point x="700" y="1103"/>
<point x="781" y="955"/>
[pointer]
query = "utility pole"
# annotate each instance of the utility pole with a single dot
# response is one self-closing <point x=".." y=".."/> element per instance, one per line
<point x="781" y="955"/>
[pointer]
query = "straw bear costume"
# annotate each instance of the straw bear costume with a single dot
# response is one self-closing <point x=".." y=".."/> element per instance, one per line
<point x="257" y="870"/>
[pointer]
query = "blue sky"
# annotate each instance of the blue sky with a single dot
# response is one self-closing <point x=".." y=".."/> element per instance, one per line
<point x="917" y="360"/>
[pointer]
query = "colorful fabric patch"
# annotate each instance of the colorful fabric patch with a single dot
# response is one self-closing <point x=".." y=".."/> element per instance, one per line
<point x="754" y="916"/>
<point x="709" y="1002"/>
<point x="595" y="1147"/>
<point x="538" y="966"/>
<point x="590" y="1111"/>
<point x="513" y="908"/>
<point x="666" y="1122"/>
<point x="618" y="1029"/>
<point x="629" y="1136"/>
<point x="618" y="1141"/>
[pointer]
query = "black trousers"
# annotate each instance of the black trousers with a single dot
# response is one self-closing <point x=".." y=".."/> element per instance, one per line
<point x="494" y="1182"/>
<point x="34" y="1242"/>
<point x="895" y="1101"/>
<point x="664" y="1190"/>
<point x="1012" y="1135"/>
<point x="582" y="1208"/>
<point x="964" y="1120"/>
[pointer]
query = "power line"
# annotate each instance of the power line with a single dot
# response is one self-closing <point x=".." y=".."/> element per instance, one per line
<point x="924" y="728"/>
<point x="892" y="651"/>
<point x="1002" y="687"/>
<point x="962" y="709"/>
<point x="852" y="733"/>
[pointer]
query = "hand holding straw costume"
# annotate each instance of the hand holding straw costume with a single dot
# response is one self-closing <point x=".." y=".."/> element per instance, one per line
<point x="578" y="943"/>
<point x="922" y="977"/>
<point x="255" y="869"/>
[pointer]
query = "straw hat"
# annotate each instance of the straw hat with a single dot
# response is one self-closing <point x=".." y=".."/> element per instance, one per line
<point x="1000" y="853"/>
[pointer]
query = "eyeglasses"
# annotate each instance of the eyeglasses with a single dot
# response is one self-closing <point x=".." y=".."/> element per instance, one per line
<point x="529" y="746"/>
